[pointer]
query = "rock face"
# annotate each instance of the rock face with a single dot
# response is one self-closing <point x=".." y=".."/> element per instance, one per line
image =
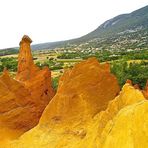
<point x="22" y="100"/>
<point x="127" y="101"/>
<point x="15" y="100"/>
<point x="68" y="119"/>
<point x="80" y="94"/>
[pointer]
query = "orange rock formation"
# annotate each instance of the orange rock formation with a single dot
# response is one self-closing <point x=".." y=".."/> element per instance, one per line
<point x="26" y="66"/>
<point x="23" y="100"/>
<point x="80" y="94"/>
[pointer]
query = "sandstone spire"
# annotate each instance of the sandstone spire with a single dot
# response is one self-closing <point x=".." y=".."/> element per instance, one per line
<point x="26" y="66"/>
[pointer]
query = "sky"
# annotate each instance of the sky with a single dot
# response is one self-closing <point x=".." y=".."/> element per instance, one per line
<point x="55" y="20"/>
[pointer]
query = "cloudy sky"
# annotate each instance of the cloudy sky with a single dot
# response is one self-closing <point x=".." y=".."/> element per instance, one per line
<point x="54" y="20"/>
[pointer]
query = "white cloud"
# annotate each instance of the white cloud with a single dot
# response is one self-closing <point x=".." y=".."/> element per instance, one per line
<point x="52" y="20"/>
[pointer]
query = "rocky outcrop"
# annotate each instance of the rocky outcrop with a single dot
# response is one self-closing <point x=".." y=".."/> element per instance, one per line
<point x="16" y="110"/>
<point x="22" y="100"/>
<point x="80" y="94"/>
<point x="70" y="114"/>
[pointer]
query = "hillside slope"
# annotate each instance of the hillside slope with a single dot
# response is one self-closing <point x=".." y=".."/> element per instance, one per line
<point x="125" y="23"/>
<point x="132" y="26"/>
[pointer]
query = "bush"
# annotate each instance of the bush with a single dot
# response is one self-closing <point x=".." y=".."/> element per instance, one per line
<point x="9" y="63"/>
<point x="55" y="82"/>
<point x="137" y="72"/>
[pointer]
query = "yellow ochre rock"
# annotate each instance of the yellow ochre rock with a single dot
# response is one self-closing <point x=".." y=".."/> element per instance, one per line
<point x="81" y="92"/>
<point x="80" y="96"/>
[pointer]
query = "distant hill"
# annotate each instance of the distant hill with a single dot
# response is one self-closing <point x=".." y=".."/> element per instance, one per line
<point x="127" y="30"/>
<point x="123" y="31"/>
<point x="125" y="23"/>
<point x="8" y="51"/>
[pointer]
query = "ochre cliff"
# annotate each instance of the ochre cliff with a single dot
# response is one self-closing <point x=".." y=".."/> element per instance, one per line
<point x="22" y="100"/>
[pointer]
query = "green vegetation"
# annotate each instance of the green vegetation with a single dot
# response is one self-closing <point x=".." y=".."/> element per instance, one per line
<point x="137" y="72"/>
<point x="55" y="82"/>
<point x="8" y="51"/>
<point x="131" y="64"/>
<point x="52" y="64"/>
<point x="107" y="55"/>
<point x="9" y="63"/>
